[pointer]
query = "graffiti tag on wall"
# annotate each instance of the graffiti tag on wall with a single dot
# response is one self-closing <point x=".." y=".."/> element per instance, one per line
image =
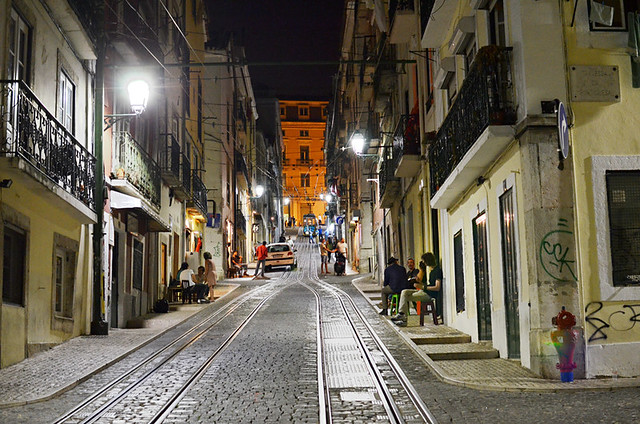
<point x="556" y="253"/>
<point x="612" y="322"/>
<point x="217" y="250"/>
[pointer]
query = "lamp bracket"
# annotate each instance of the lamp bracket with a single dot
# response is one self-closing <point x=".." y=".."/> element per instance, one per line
<point x="110" y="120"/>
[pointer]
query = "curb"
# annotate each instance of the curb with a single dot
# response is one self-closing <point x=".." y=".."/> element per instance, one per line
<point x="93" y="372"/>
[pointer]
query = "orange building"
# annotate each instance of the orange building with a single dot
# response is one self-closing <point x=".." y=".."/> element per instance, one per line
<point x="303" y="167"/>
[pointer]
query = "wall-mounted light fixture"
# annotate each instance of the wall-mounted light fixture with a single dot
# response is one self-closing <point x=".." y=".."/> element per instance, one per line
<point x="138" y="98"/>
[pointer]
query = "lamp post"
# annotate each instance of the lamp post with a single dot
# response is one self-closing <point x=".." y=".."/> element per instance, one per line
<point x="357" y="142"/>
<point x="138" y="96"/>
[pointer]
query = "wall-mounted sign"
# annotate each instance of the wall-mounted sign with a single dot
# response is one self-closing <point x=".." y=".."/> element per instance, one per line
<point x="563" y="131"/>
<point x="595" y="83"/>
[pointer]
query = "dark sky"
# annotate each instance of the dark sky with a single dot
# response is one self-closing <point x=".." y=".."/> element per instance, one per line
<point x="281" y="31"/>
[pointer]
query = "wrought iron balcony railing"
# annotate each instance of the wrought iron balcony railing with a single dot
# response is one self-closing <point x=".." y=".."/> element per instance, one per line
<point x="305" y="162"/>
<point x="485" y="98"/>
<point x="29" y="131"/>
<point x="406" y="136"/>
<point x="170" y="159"/>
<point x="386" y="176"/>
<point x="199" y="193"/>
<point x="137" y="167"/>
<point x="241" y="221"/>
<point x="185" y="174"/>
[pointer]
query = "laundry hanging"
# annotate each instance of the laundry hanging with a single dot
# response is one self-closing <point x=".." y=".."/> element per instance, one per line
<point x="601" y="13"/>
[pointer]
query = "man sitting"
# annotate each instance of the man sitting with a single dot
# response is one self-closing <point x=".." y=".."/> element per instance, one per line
<point x="395" y="280"/>
<point x="422" y="292"/>
<point x="236" y="262"/>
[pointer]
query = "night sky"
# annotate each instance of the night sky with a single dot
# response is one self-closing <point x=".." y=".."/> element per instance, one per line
<point x="280" y="31"/>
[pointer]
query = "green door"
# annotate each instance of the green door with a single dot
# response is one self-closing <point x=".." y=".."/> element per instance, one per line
<point x="510" y="273"/>
<point x="483" y="296"/>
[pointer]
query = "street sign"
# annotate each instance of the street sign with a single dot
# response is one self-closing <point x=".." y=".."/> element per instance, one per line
<point x="563" y="131"/>
<point x="339" y="220"/>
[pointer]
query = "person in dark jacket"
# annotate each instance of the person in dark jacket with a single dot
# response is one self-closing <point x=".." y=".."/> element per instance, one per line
<point x="395" y="280"/>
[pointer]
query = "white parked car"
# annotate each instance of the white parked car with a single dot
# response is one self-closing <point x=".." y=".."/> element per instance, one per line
<point x="280" y="254"/>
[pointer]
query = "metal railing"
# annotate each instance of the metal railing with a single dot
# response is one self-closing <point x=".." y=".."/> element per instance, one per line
<point x="387" y="171"/>
<point x="31" y="132"/>
<point x="485" y="98"/>
<point x="305" y="162"/>
<point x="406" y="137"/>
<point x="137" y="167"/>
<point x="199" y="193"/>
<point x="170" y="156"/>
<point x="241" y="221"/>
<point x="185" y="173"/>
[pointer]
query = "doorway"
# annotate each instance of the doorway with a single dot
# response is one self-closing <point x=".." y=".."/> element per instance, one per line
<point x="115" y="278"/>
<point x="483" y="297"/>
<point x="510" y="273"/>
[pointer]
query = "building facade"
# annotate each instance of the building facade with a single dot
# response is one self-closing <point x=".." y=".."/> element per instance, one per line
<point x="303" y="166"/>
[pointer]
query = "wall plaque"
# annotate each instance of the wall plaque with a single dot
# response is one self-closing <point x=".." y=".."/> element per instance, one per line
<point x="595" y="83"/>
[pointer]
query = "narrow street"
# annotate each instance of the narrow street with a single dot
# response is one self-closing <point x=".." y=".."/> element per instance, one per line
<point x="253" y="357"/>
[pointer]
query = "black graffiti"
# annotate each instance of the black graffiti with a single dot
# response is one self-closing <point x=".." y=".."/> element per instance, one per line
<point x="600" y="325"/>
<point x="598" y="334"/>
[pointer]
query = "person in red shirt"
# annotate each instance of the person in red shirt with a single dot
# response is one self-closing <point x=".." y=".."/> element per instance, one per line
<point x="261" y="256"/>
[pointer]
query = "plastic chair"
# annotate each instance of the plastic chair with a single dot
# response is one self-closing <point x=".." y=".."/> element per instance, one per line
<point x="394" y="302"/>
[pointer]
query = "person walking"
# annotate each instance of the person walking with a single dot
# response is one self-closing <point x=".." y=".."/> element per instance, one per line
<point x="395" y="280"/>
<point x="261" y="256"/>
<point x="324" y="257"/>
<point x="210" y="274"/>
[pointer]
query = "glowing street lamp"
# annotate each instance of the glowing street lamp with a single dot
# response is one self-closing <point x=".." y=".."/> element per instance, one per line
<point x="357" y="142"/>
<point x="138" y="95"/>
<point x="259" y="191"/>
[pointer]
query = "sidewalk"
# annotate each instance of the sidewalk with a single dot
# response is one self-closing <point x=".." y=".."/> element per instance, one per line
<point x="454" y="359"/>
<point x="50" y="373"/>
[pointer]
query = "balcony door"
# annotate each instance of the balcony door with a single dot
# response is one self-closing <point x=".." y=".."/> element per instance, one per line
<point x="17" y="67"/>
<point x="510" y="272"/>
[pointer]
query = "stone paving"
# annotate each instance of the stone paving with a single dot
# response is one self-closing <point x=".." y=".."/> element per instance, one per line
<point x="47" y="374"/>
<point x="439" y="345"/>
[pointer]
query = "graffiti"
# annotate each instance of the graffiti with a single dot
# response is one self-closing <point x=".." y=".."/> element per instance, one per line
<point x="614" y="318"/>
<point x="554" y="253"/>
<point x="217" y="250"/>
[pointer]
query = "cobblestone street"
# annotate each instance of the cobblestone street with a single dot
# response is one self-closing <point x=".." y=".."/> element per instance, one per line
<point x="269" y="374"/>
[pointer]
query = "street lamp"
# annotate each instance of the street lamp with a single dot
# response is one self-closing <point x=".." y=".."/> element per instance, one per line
<point x="138" y="95"/>
<point x="357" y="142"/>
<point x="328" y="198"/>
<point x="259" y="191"/>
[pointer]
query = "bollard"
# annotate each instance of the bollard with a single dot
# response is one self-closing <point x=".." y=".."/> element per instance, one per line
<point x="564" y="340"/>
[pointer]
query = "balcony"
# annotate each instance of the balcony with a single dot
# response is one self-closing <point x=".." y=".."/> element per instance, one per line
<point x="389" y="184"/>
<point x="406" y="146"/>
<point x="134" y="168"/>
<point x="477" y="129"/>
<point x="402" y="18"/>
<point x="40" y="152"/>
<point x="435" y="21"/>
<point x="241" y="221"/>
<point x="199" y="198"/>
<point x="170" y="160"/>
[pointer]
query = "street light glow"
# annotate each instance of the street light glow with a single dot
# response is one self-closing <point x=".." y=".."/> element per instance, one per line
<point x="328" y="197"/>
<point x="286" y="201"/>
<point x="259" y="190"/>
<point x="357" y="142"/>
<point x="138" y="95"/>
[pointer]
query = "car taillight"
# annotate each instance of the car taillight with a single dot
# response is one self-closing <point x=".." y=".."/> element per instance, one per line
<point x="290" y="253"/>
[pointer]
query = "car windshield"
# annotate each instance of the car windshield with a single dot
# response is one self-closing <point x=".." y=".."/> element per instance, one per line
<point x="279" y="248"/>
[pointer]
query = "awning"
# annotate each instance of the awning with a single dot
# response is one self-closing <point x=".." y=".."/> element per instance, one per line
<point x="122" y="201"/>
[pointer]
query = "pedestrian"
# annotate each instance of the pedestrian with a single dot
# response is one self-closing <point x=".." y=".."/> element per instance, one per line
<point x="210" y="274"/>
<point x="261" y="256"/>
<point x="395" y="280"/>
<point x="187" y="280"/>
<point x="341" y="249"/>
<point x="324" y="257"/>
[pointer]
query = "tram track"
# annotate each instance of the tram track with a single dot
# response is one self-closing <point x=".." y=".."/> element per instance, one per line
<point x="106" y="400"/>
<point x="357" y="325"/>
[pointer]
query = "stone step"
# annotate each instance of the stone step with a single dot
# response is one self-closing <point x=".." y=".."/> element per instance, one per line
<point x="458" y="351"/>
<point x="442" y="339"/>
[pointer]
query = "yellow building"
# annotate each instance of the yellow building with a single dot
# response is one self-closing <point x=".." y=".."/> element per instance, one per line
<point x="303" y="167"/>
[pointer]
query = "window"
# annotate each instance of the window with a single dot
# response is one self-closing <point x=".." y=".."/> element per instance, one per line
<point x="470" y="51"/>
<point x="303" y="112"/>
<point x="324" y="113"/>
<point x="623" y="197"/>
<point x="304" y="133"/>
<point x="284" y="180"/>
<point x="19" y="47"/>
<point x="13" y="272"/>
<point x="304" y="153"/>
<point x="66" y="101"/>
<point x="620" y="10"/>
<point x="283" y="111"/>
<point x="458" y="264"/>
<point x="305" y="180"/>
<point x="451" y="88"/>
<point x="497" y="32"/>
<point x="64" y="270"/>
